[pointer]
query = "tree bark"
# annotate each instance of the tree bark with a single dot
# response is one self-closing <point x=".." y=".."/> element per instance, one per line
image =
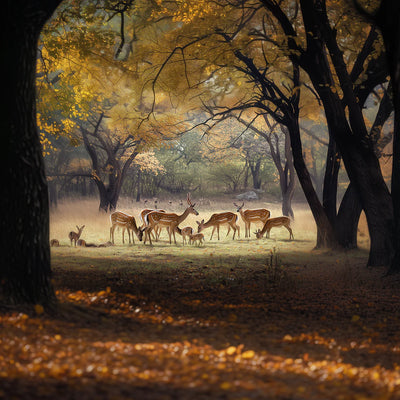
<point x="357" y="151"/>
<point x="25" y="272"/>
<point x="326" y="236"/>
<point x="346" y="225"/>
<point x="388" y="20"/>
<point x="255" y="173"/>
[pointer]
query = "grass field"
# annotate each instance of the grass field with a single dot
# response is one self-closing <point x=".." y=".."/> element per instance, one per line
<point x="243" y="319"/>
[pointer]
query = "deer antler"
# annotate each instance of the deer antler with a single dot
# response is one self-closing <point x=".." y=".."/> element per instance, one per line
<point x="189" y="201"/>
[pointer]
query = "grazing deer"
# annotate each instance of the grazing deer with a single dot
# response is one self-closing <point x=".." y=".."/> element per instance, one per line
<point x="74" y="236"/>
<point x="169" y="220"/>
<point x="275" y="223"/>
<point x="157" y="230"/>
<point x="54" y="243"/>
<point x="124" y="221"/>
<point x="197" y="237"/>
<point x="216" y="220"/>
<point x="249" y="216"/>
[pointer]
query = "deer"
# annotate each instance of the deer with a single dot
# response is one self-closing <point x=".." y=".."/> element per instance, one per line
<point x="124" y="221"/>
<point x="216" y="220"/>
<point x="82" y="243"/>
<point x="169" y="220"/>
<point x="275" y="223"/>
<point x="249" y="216"/>
<point x="157" y="230"/>
<point x="74" y="236"/>
<point x="196" y="237"/>
<point x="186" y="232"/>
<point x="54" y="243"/>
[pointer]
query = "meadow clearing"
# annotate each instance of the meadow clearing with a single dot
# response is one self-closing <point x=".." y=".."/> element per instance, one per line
<point x="243" y="319"/>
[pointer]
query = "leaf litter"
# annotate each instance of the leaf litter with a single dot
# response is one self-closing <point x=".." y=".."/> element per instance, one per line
<point x="212" y="328"/>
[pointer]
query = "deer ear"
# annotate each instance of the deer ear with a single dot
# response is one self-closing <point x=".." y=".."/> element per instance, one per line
<point x="198" y="223"/>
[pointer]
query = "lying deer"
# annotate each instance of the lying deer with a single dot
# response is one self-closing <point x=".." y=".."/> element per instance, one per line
<point x="54" y="243"/>
<point x="82" y="243"/>
<point x="275" y="223"/>
<point x="74" y="236"/>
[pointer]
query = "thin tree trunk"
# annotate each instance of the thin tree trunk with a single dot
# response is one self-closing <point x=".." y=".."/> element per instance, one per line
<point x="326" y="237"/>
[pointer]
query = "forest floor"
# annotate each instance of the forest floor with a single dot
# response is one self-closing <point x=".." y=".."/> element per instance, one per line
<point x="243" y="319"/>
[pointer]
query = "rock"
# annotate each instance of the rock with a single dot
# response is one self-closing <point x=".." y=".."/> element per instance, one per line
<point x="251" y="195"/>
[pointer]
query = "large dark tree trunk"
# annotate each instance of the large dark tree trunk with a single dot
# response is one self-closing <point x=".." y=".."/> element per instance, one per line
<point x="346" y="226"/>
<point x="329" y="193"/>
<point x="357" y="151"/>
<point x="388" y="20"/>
<point x="24" y="228"/>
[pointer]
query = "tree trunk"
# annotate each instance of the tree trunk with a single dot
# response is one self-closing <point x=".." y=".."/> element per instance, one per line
<point x="326" y="237"/>
<point x="139" y="185"/>
<point x="347" y="219"/>
<point x="357" y="151"/>
<point x="255" y="173"/>
<point x="287" y="209"/>
<point x="25" y="267"/>
<point x="329" y="193"/>
<point x="388" y="20"/>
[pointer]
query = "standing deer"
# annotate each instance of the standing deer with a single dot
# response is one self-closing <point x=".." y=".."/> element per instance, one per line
<point x="169" y="220"/>
<point x="186" y="232"/>
<point x="197" y="237"/>
<point x="124" y="221"/>
<point x="249" y="216"/>
<point x="216" y="220"/>
<point x="74" y="236"/>
<point x="157" y="230"/>
<point x="275" y="223"/>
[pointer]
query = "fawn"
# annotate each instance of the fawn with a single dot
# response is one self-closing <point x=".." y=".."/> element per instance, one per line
<point x="197" y="237"/>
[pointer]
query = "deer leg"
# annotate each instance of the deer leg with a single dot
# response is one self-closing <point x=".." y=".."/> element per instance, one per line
<point x="290" y="232"/>
<point x="157" y="232"/>
<point x="173" y="232"/>
<point x="147" y="234"/>
<point x="234" y="231"/>
<point x="212" y="233"/>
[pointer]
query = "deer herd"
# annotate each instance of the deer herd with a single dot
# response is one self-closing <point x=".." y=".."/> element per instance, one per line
<point x="153" y="221"/>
